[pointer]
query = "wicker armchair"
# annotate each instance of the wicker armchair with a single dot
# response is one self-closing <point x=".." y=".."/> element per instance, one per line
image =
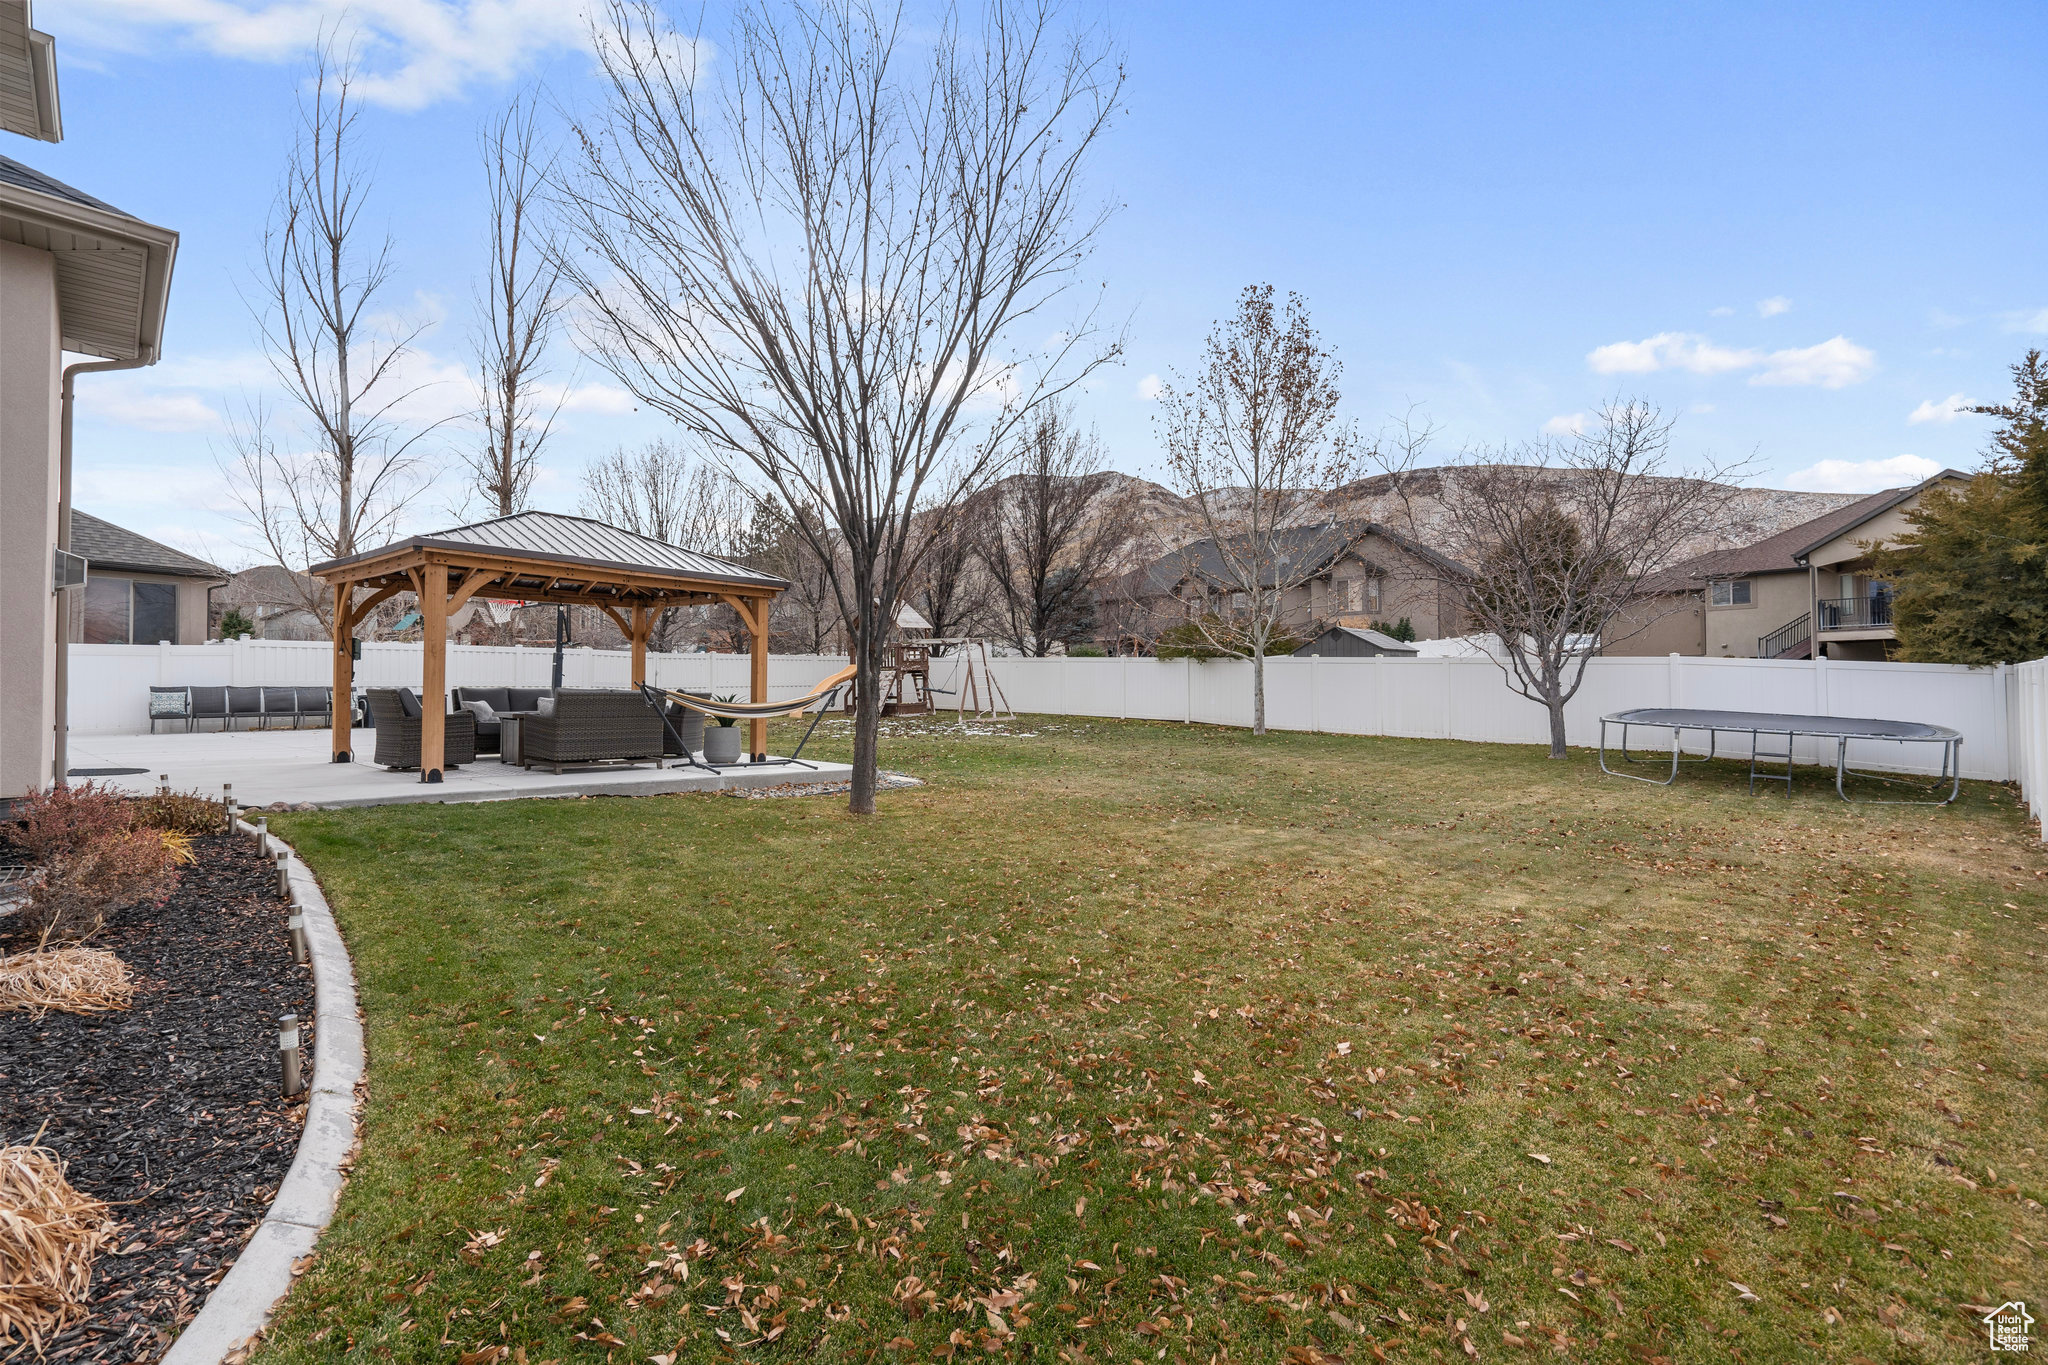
<point x="398" y="730"/>
<point x="593" y="726"/>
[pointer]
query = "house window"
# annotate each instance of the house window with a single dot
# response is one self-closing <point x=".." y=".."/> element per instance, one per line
<point x="1733" y="593"/>
<point x="120" y="611"/>
<point x="1239" y="601"/>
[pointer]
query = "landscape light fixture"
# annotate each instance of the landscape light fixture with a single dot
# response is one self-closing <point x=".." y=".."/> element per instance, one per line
<point x="302" y="952"/>
<point x="284" y="874"/>
<point x="288" y="1055"/>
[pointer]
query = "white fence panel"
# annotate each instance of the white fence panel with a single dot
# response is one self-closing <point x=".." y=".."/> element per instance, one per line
<point x="2002" y="712"/>
<point x="1468" y="699"/>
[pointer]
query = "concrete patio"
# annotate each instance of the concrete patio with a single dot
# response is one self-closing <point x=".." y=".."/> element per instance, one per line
<point x="294" y="766"/>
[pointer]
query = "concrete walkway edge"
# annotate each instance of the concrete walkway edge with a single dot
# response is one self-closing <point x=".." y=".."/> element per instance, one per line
<point x="240" y="1305"/>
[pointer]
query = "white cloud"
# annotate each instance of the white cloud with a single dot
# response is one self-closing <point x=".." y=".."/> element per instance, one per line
<point x="413" y="52"/>
<point x="1670" y="351"/>
<point x="1863" y="476"/>
<point x="1944" y="410"/>
<point x="1833" y="364"/>
<point x="1829" y="365"/>
<point x="1722" y="312"/>
<point x="1566" y="424"/>
<point x="607" y="400"/>
<point x="148" y="411"/>
<point x="2027" y="322"/>
<point x="1151" y="388"/>
<point x="1771" y="307"/>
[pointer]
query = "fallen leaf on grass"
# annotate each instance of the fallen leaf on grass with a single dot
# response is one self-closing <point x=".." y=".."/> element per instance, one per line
<point x="1747" y="1295"/>
<point x="733" y="1196"/>
<point x="1539" y="1156"/>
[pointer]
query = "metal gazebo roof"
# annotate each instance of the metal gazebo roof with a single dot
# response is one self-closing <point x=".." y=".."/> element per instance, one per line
<point x="558" y="547"/>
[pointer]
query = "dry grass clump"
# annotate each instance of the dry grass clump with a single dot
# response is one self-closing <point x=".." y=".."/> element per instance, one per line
<point x="49" y="1235"/>
<point x="180" y="812"/>
<point x="75" y="980"/>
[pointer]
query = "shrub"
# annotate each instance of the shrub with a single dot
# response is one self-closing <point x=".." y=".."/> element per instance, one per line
<point x="95" y="857"/>
<point x="234" y="624"/>
<point x="81" y="888"/>
<point x="1188" y="640"/>
<point x="1087" y="652"/>
<point x="64" y="820"/>
<point x="181" y="813"/>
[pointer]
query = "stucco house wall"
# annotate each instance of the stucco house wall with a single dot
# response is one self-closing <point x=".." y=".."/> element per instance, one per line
<point x="29" y="357"/>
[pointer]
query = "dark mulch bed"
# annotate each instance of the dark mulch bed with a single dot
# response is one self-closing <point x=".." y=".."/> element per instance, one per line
<point x="170" y="1111"/>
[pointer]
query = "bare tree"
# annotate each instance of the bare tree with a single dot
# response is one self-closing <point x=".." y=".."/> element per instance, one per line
<point x="518" y="309"/>
<point x="950" y="588"/>
<point x="808" y="610"/>
<point x="1051" y="531"/>
<point x="820" y="267"/>
<point x="342" y="485"/>
<point x="1255" y="447"/>
<point x="1562" y="538"/>
<point x="659" y="492"/>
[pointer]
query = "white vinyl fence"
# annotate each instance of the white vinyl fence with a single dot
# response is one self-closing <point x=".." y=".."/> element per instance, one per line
<point x="2002" y="712"/>
<point x="1467" y="699"/>
<point x="110" y="683"/>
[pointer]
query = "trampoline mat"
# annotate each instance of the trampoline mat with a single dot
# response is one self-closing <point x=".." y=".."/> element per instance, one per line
<point x="1777" y="723"/>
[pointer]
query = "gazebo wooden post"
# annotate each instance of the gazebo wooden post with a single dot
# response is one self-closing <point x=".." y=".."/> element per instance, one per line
<point x="639" y="634"/>
<point x="758" y="623"/>
<point x="434" y="670"/>
<point x="342" y="703"/>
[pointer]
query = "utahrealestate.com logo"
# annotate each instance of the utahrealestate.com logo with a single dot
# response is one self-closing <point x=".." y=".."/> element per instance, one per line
<point x="2007" y="1325"/>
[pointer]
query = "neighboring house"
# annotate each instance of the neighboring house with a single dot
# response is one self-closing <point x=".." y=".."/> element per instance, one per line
<point x="137" y="591"/>
<point x="276" y="601"/>
<point x="76" y="275"/>
<point x="1366" y="574"/>
<point x="1774" y="599"/>
<point x="1352" y="642"/>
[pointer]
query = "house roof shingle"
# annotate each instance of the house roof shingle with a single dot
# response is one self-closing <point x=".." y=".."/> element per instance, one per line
<point x="107" y="546"/>
<point x="1781" y="553"/>
<point x="12" y="172"/>
<point x="1299" y="548"/>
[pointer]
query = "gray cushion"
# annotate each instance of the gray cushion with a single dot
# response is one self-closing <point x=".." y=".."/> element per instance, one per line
<point x="545" y="705"/>
<point x="486" y="718"/>
<point x="170" y="703"/>
<point x="408" y="703"/>
<point x="497" y="697"/>
<point x="522" y="698"/>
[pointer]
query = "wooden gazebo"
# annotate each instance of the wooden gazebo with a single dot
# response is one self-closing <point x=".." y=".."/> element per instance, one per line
<point x="535" y="557"/>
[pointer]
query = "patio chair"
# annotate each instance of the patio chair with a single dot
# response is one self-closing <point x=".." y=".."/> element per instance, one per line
<point x="244" y="703"/>
<point x="316" y="703"/>
<point x="396" y="712"/>
<point x="594" y="726"/>
<point x="210" y="703"/>
<point x="278" y="702"/>
<point x="683" y="734"/>
<point x="170" y="703"/>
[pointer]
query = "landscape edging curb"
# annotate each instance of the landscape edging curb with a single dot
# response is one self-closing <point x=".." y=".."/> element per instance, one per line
<point x="241" y="1304"/>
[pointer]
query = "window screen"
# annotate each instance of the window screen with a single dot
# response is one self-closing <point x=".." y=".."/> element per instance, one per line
<point x="1735" y="594"/>
<point x="106" y="610"/>
<point x="156" y="613"/>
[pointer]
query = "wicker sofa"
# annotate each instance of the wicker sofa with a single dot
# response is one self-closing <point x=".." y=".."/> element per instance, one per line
<point x="503" y="701"/>
<point x="395" y="711"/>
<point x="593" y="726"/>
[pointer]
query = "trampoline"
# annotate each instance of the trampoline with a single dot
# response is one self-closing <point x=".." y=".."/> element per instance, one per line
<point x="1765" y="725"/>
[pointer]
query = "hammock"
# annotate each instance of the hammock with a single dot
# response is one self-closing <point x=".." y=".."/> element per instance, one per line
<point x="820" y="696"/>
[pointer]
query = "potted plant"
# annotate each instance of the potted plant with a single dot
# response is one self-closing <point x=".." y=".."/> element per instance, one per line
<point x="722" y="741"/>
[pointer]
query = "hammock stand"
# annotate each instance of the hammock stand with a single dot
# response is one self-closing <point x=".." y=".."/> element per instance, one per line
<point x="821" y="696"/>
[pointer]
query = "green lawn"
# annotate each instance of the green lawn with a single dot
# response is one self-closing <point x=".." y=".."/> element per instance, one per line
<point x="1138" y="1042"/>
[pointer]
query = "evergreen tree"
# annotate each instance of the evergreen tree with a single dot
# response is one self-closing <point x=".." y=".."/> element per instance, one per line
<point x="1970" y="580"/>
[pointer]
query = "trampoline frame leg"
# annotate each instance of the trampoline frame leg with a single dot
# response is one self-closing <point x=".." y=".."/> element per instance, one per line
<point x="1676" y="754"/>
<point x="1951" y="774"/>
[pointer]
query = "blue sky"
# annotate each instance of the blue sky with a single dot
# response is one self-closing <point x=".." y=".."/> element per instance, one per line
<point x="1802" y="230"/>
